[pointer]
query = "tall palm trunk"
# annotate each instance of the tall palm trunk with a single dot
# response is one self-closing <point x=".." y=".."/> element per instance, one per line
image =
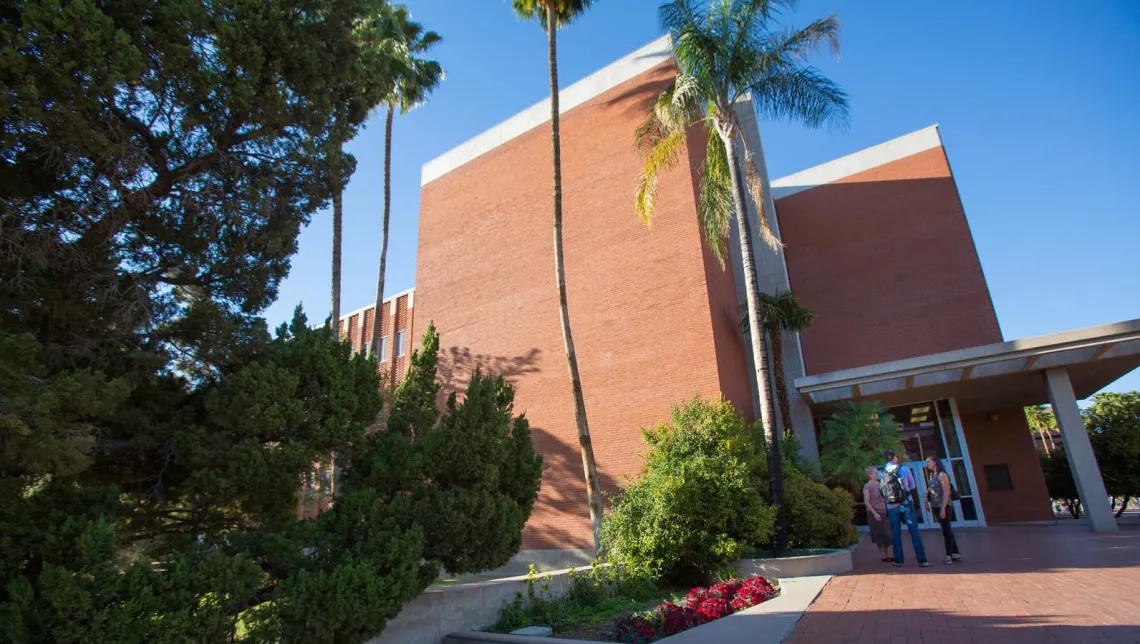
<point x="383" y="233"/>
<point x="338" y="223"/>
<point x="593" y="491"/>
<point x="728" y="133"/>
<point x="1044" y="441"/>
<point x="779" y="377"/>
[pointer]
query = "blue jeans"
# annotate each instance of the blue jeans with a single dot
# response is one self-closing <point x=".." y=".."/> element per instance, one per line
<point x="898" y="515"/>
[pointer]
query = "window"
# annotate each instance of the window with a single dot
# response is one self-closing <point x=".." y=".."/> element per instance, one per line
<point x="998" y="478"/>
<point x="383" y="349"/>
<point x="400" y="336"/>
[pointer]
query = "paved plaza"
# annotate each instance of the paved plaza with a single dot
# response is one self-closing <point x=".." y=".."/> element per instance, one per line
<point x="1024" y="584"/>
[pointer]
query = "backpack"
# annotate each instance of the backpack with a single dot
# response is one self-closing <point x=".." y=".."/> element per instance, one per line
<point x="891" y="485"/>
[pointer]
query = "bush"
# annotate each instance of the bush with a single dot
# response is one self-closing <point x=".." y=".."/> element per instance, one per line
<point x="695" y="507"/>
<point x="593" y="593"/>
<point x="1059" y="481"/>
<point x="818" y="516"/>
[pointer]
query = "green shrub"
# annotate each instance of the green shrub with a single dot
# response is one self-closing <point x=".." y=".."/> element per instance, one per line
<point x="695" y="507"/>
<point x="1059" y="481"/>
<point x="818" y="516"/>
<point x="594" y="595"/>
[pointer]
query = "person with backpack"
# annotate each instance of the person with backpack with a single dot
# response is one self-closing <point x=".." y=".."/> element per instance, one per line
<point x="897" y="485"/>
<point x="939" y="495"/>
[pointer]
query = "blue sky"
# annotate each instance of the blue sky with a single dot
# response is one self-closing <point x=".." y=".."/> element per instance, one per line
<point x="1037" y="104"/>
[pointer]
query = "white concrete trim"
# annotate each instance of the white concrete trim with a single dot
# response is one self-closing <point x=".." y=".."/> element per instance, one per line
<point x="872" y="157"/>
<point x="963" y="359"/>
<point x="976" y="492"/>
<point x="604" y="79"/>
<point x="390" y="298"/>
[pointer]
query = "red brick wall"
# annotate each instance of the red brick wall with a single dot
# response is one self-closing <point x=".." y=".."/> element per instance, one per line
<point x="886" y="261"/>
<point x="640" y="299"/>
<point x="1007" y="440"/>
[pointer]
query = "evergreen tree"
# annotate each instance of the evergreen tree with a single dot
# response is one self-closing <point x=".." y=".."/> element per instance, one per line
<point x="159" y="159"/>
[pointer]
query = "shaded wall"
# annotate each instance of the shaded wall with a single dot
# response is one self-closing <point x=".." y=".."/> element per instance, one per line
<point x="1007" y="441"/>
<point x="886" y="260"/>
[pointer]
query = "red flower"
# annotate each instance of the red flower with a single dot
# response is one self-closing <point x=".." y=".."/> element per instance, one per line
<point x="635" y="629"/>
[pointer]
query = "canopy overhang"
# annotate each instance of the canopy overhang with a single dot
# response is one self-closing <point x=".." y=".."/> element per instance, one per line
<point x="991" y="377"/>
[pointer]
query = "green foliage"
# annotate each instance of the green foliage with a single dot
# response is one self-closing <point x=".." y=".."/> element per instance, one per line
<point x="1113" y="423"/>
<point x="1059" y="481"/>
<point x="695" y="507"/>
<point x="565" y="11"/>
<point x="596" y="594"/>
<point x="854" y="437"/>
<point x="818" y="516"/>
<point x="159" y="161"/>
<point x="471" y="475"/>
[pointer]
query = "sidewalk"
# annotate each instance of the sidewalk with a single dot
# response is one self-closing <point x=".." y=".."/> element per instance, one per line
<point x="1025" y="584"/>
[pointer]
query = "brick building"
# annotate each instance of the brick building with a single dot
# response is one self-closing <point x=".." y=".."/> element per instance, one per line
<point x="876" y="244"/>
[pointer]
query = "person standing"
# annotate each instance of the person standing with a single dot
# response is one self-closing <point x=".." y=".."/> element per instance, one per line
<point x="897" y="486"/>
<point x="877" y="514"/>
<point x="939" y="494"/>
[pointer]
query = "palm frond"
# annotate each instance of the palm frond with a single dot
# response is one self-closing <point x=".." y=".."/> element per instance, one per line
<point x="801" y="43"/>
<point x="565" y="11"/>
<point x="802" y="94"/>
<point x="756" y="191"/>
<point x="714" y="198"/>
<point x="662" y="156"/>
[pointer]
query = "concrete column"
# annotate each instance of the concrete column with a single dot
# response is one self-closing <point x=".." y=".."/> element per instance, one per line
<point x="1078" y="449"/>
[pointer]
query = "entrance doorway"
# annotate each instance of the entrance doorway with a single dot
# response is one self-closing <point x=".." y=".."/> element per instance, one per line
<point x="931" y="429"/>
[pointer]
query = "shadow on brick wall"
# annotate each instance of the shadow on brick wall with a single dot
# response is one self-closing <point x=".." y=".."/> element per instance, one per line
<point x="456" y="364"/>
<point x="561" y="517"/>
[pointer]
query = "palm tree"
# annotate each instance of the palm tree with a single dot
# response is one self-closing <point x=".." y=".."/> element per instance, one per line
<point x="552" y="14"/>
<point x="727" y="51"/>
<point x="1042" y="422"/>
<point x="854" y="437"/>
<point x="781" y="312"/>
<point x="338" y="226"/>
<point x="415" y="79"/>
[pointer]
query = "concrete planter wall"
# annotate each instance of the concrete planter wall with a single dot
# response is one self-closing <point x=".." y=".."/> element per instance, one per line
<point x="832" y="562"/>
<point x="428" y="618"/>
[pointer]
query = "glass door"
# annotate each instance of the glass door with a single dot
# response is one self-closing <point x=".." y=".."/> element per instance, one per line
<point x="929" y="430"/>
<point x="966" y="507"/>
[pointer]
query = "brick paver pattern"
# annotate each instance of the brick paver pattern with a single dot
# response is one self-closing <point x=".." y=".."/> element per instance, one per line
<point x="1024" y="584"/>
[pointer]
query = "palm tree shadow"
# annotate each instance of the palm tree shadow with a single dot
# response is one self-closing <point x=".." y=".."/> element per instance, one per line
<point x="456" y="364"/>
<point x="561" y="516"/>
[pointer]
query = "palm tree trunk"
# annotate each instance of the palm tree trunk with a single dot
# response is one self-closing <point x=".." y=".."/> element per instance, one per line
<point x="1045" y="441"/>
<point x="338" y="222"/>
<point x="1123" y="506"/>
<point x="593" y="491"/>
<point x="1052" y="444"/>
<point x="728" y="133"/>
<point x="383" y="233"/>
<point x="780" y="378"/>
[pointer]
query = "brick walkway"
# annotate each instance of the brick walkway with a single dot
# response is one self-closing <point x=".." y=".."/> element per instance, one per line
<point x="1025" y="584"/>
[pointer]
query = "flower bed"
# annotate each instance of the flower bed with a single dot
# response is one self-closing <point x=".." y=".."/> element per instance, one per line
<point x="701" y="606"/>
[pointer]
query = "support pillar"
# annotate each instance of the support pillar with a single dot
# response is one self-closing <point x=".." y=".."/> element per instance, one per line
<point x="1078" y="450"/>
